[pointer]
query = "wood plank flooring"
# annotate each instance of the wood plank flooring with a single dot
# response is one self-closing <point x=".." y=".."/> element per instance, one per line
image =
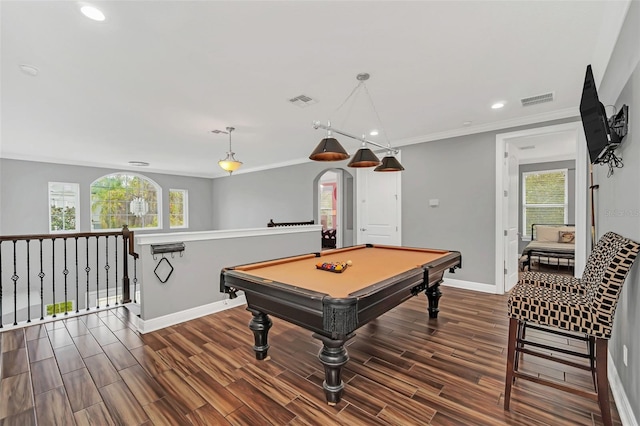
<point x="405" y="369"/>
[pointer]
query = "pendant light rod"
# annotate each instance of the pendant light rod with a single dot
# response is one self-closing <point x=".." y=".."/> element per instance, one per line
<point x="318" y="125"/>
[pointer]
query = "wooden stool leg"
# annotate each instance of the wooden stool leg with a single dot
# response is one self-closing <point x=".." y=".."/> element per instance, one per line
<point x="511" y="354"/>
<point x="603" y="381"/>
<point x="520" y="335"/>
<point x="592" y="358"/>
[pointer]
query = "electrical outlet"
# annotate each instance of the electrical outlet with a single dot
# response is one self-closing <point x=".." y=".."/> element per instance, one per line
<point x="625" y="355"/>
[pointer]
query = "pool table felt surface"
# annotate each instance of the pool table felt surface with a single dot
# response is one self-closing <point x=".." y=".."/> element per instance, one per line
<point x="370" y="265"/>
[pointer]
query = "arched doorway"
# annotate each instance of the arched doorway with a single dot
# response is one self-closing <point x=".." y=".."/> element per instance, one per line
<point x="333" y="202"/>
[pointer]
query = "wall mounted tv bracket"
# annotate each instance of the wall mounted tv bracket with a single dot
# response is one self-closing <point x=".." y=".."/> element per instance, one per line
<point x="618" y="126"/>
<point x="618" y="122"/>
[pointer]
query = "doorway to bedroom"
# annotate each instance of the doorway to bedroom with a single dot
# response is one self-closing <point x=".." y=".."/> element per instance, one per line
<point x="555" y="154"/>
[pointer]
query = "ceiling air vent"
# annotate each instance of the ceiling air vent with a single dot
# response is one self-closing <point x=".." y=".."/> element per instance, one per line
<point x="538" y="99"/>
<point x="303" y="101"/>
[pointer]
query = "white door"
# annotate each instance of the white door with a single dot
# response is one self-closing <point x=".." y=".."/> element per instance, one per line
<point x="511" y="216"/>
<point x="379" y="207"/>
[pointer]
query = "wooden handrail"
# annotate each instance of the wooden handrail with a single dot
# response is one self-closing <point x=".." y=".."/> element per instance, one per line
<point x="32" y="237"/>
<point x="61" y="235"/>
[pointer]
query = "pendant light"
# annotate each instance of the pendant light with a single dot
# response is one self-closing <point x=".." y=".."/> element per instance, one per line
<point x="364" y="157"/>
<point x="389" y="164"/>
<point x="329" y="149"/>
<point x="229" y="164"/>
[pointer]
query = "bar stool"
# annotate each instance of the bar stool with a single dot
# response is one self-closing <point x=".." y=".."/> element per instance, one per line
<point x="588" y="308"/>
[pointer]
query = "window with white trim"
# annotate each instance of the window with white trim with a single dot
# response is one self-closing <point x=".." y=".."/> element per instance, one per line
<point x="125" y="199"/>
<point x="64" y="202"/>
<point x="178" y="208"/>
<point x="544" y="198"/>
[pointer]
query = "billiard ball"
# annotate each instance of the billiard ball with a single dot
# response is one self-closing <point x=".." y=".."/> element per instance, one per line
<point x="349" y="263"/>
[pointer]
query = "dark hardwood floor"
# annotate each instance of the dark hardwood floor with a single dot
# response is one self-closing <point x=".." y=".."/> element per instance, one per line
<point x="404" y="370"/>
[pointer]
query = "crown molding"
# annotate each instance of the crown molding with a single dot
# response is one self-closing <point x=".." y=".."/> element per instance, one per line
<point x="493" y="126"/>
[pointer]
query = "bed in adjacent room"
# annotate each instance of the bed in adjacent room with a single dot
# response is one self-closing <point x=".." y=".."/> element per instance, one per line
<point x="552" y="245"/>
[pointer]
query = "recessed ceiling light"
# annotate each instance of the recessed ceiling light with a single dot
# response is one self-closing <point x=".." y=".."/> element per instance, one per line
<point x="374" y="132"/>
<point x="92" y="12"/>
<point x="29" y="70"/>
<point x="467" y="123"/>
<point x="138" y="163"/>
<point x="497" y="105"/>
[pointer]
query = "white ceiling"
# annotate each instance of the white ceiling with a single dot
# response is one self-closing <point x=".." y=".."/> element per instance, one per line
<point x="151" y="81"/>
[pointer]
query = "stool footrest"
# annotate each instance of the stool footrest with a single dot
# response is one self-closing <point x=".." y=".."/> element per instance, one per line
<point x="556" y="385"/>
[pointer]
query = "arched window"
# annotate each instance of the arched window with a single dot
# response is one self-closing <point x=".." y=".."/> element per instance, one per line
<point x="125" y="199"/>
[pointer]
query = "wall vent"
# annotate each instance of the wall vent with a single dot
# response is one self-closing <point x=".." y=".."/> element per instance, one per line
<point x="538" y="99"/>
<point x="303" y="101"/>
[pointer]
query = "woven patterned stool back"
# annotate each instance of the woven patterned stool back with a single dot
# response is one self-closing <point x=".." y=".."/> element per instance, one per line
<point x="610" y="271"/>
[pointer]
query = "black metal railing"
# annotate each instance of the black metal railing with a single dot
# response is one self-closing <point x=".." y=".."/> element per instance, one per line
<point x="43" y="276"/>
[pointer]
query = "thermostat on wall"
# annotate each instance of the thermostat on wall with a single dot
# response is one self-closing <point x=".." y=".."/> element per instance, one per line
<point x="434" y="202"/>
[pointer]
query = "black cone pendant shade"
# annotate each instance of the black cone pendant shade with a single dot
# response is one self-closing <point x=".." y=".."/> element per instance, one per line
<point x="329" y="149"/>
<point x="364" y="158"/>
<point x="389" y="164"/>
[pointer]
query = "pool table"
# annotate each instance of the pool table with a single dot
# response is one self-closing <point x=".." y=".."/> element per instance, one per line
<point x="334" y="304"/>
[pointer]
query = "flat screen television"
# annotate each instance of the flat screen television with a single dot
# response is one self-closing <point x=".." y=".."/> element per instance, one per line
<point x="600" y="138"/>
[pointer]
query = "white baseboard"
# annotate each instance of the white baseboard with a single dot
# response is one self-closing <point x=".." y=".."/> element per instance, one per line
<point x="622" y="402"/>
<point x="469" y="285"/>
<point x="147" y="326"/>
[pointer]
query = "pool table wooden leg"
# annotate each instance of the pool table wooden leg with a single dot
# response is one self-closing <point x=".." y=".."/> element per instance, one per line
<point x="433" y="294"/>
<point x="260" y="325"/>
<point x="333" y="356"/>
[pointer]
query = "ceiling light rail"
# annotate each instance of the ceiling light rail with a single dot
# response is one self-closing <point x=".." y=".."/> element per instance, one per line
<point x="318" y="125"/>
<point x="329" y="149"/>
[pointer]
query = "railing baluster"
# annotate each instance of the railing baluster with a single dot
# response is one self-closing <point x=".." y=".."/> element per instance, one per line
<point x="53" y="274"/>
<point x="41" y="275"/>
<point x="28" y="281"/>
<point x="77" y="290"/>
<point x="116" y="256"/>
<point x="135" y="279"/>
<point x="66" y="273"/>
<point x="127" y="244"/>
<point x="106" y="265"/>
<point x="87" y="269"/>
<point x="15" y="277"/>
<point x="97" y="273"/>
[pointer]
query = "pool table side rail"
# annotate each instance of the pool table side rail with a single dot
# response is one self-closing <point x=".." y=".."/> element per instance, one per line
<point x="296" y="305"/>
<point x="410" y="284"/>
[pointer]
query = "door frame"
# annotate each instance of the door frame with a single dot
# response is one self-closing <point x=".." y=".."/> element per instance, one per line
<point x="398" y="175"/>
<point x="512" y="182"/>
<point x="581" y="192"/>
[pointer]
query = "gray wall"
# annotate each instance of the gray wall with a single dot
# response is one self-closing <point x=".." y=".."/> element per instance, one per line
<point x="618" y="201"/>
<point x="195" y="280"/>
<point x="285" y="194"/>
<point x="24" y="192"/>
<point x="570" y="165"/>
<point x="460" y="172"/>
